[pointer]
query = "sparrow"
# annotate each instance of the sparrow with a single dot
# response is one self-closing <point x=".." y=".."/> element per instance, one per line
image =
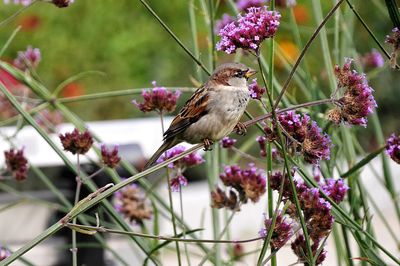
<point x="212" y="112"/>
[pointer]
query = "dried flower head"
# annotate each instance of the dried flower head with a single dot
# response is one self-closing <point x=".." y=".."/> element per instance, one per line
<point x="29" y="58"/>
<point x="393" y="147"/>
<point x="220" y="200"/>
<point x="110" y="157"/>
<point x="249" y="183"/>
<point x="158" y="99"/>
<point x="4" y="253"/>
<point x="178" y="182"/>
<point x="316" y="145"/>
<point x="75" y="142"/>
<point x="394" y="40"/>
<point x="282" y="231"/>
<point x="189" y="160"/>
<point x="256" y="91"/>
<point x="17" y="164"/>
<point x="130" y="201"/>
<point x="243" y="5"/>
<point x="299" y="248"/>
<point x="228" y="142"/>
<point x="373" y="59"/>
<point x="262" y="142"/>
<point x="335" y="189"/>
<point x="357" y="101"/>
<point x="49" y="120"/>
<point x="62" y="3"/>
<point x="249" y="31"/>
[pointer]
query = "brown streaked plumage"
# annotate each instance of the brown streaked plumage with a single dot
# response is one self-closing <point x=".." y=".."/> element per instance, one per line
<point x="212" y="111"/>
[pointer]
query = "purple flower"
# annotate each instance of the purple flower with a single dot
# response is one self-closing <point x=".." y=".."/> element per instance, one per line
<point x="158" y="99"/>
<point x="393" y="147"/>
<point x="249" y="183"/>
<point x="131" y="202"/>
<point x="178" y="182"/>
<point x="373" y="59"/>
<point x="17" y="164"/>
<point x="28" y="59"/>
<point x="18" y="2"/>
<point x="394" y="40"/>
<point x="249" y="31"/>
<point x="189" y="160"/>
<point x="243" y="5"/>
<point x="110" y="157"/>
<point x="221" y="23"/>
<point x="335" y="189"/>
<point x="228" y="142"/>
<point x="357" y="101"/>
<point x="262" y="143"/>
<point x="62" y="3"/>
<point x="281" y="234"/>
<point x="299" y="248"/>
<point x="316" y="145"/>
<point x="256" y="91"/>
<point x="77" y="143"/>
<point x="4" y="253"/>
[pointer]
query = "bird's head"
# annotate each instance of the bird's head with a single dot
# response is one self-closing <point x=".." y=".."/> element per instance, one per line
<point x="232" y="74"/>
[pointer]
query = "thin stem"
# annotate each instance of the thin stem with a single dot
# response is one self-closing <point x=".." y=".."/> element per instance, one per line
<point x="9" y="40"/>
<point x="74" y="248"/>
<point x="303" y="52"/>
<point x="183" y="226"/>
<point x="154" y="14"/>
<point x="114" y="231"/>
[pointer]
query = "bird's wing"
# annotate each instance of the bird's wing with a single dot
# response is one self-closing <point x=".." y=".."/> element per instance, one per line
<point x="194" y="109"/>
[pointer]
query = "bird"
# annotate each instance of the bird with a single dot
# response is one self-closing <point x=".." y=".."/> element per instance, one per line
<point x="212" y="112"/>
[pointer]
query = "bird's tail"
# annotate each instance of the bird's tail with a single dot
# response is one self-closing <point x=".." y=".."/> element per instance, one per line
<point x="164" y="147"/>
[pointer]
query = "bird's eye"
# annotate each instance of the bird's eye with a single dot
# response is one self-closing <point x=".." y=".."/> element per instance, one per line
<point x="240" y="74"/>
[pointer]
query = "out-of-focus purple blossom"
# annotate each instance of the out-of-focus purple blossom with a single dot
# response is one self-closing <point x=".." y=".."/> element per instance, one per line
<point x="158" y="99"/>
<point x="16" y="163"/>
<point x="285" y="3"/>
<point x="243" y="5"/>
<point x="189" y="160"/>
<point x="394" y="40"/>
<point x="62" y="3"/>
<point x="49" y="120"/>
<point x="300" y="249"/>
<point x="256" y="91"/>
<point x="220" y="200"/>
<point x="4" y="253"/>
<point x="249" y="31"/>
<point x="393" y="147"/>
<point x="76" y="142"/>
<point x="373" y="59"/>
<point x="335" y="189"/>
<point x="221" y="23"/>
<point x="178" y="182"/>
<point x="29" y="58"/>
<point x="281" y="234"/>
<point x="228" y="142"/>
<point x="18" y="2"/>
<point x="249" y="183"/>
<point x="262" y="143"/>
<point x="131" y="202"/>
<point x="110" y="157"/>
<point x="357" y="101"/>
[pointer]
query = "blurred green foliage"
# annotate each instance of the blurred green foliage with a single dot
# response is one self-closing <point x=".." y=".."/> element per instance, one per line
<point x="121" y="39"/>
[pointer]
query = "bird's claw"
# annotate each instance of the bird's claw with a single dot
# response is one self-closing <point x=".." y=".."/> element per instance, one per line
<point x="240" y="129"/>
<point x="207" y="144"/>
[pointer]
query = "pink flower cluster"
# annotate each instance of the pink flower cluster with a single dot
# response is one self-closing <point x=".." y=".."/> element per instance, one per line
<point x="282" y="231"/>
<point x="249" y="31"/>
<point x="76" y="142"/>
<point x="394" y="40"/>
<point x="17" y="164"/>
<point x="393" y="147"/>
<point x="158" y="99"/>
<point x="228" y="142"/>
<point x="243" y="5"/>
<point x="29" y="58"/>
<point x="110" y="157"/>
<point x="256" y="91"/>
<point x="373" y="59"/>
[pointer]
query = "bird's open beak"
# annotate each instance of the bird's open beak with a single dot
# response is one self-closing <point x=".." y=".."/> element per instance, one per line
<point x="250" y="73"/>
